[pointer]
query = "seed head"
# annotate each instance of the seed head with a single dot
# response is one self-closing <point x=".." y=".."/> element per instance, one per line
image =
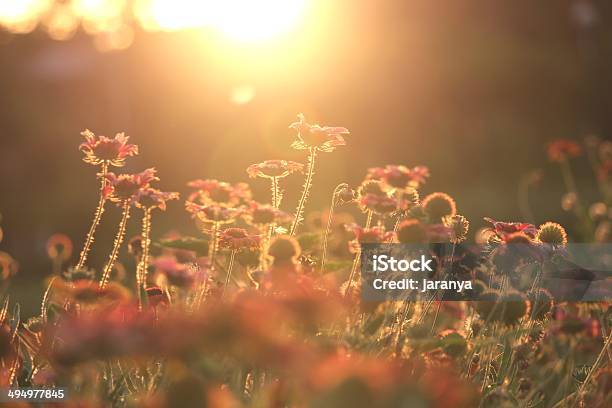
<point x="459" y="226"/>
<point x="552" y="233"/>
<point x="439" y="205"/>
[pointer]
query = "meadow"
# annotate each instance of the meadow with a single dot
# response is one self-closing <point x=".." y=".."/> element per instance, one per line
<point x="264" y="307"/>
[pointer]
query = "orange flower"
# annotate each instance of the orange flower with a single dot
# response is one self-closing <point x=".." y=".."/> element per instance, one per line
<point x="274" y="168"/>
<point x="562" y="149"/>
<point x="102" y="149"/>
<point x="127" y="186"/>
<point x="321" y="138"/>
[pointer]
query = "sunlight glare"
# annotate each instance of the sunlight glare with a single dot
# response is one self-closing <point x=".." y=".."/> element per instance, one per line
<point x="243" y="20"/>
<point x="21" y="16"/>
<point x="248" y="20"/>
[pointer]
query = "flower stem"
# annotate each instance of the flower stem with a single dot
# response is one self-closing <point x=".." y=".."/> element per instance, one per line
<point x="368" y="223"/>
<point x="96" y="220"/>
<point x="212" y="248"/>
<point x="263" y="251"/>
<point x="118" y="240"/>
<point x="330" y="217"/>
<point x="230" y="266"/>
<point x="275" y="193"/>
<point x="308" y="183"/>
<point x="353" y="272"/>
<point x="143" y="265"/>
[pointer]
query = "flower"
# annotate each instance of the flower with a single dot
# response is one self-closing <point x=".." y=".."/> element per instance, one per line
<point x="459" y="226"/>
<point x="561" y="149"/>
<point x="453" y="343"/>
<point x="378" y="204"/>
<point x="374" y="235"/>
<point x="274" y="168"/>
<point x="102" y="149"/>
<point x="8" y="266"/>
<point x="541" y="303"/>
<point x="321" y="138"/>
<point x="439" y="205"/>
<point x="400" y="176"/>
<point x="411" y="231"/>
<point x="156" y="296"/>
<point x="215" y="213"/>
<point x="408" y="198"/>
<point x="264" y="214"/>
<point x="503" y="229"/>
<point x="59" y="246"/>
<point x="345" y="195"/>
<point x="284" y="248"/>
<point x="177" y="274"/>
<point x="154" y="198"/>
<point x="89" y="292"/>
<point x="552" y="233"/>
<point x="508" y="309"/>
<point x="375" y="187"/>
<point x="127" y="186"/>
<point x="238" y="238"/>
<point x="216" y="191"/>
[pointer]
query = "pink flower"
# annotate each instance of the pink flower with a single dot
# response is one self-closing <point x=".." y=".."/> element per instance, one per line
<point x="102" y="149"/>
<point x="274" y="168"/>
<point x="264" y="214"/>
<point x="127" y="186"/>
<point x="238" y="238"/>
<point x="212" y="213"/>
<point x="504" y="229"/>
<point x="177" y="274"/>
<point x="154" y="198"/>
<point x="374" y="235"/>
<point x="562" y="149"/>
<point x="321" y="138"/>
<point x="216" y="191"/>
<point x="378" y="204"/>
<point x="400" y="176"/>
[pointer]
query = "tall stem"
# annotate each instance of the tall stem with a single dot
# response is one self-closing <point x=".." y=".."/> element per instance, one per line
<point x="275" y="192"/>
<point x="230" y="266"/>
<point x="96" y="220"/>
<point x="143" y="265"/>
<point x="212" y="248"/>
<point x="353" y="272"/>
<point x="330" y="217"/>
<point x="368" y="223"/>
<point x="263" y="251"/>
<point x="118" y="240"/>
<point x="307" y="184"/>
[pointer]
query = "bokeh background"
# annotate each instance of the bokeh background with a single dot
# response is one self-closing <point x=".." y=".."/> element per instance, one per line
<point x="472" y="89"/>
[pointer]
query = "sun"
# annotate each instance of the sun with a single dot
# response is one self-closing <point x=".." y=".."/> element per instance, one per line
<point x="255" y="20"/>
<point x="242" y="20"/>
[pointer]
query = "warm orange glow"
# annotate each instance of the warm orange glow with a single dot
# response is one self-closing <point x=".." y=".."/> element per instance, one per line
<point x="241" y="20"/>
<point x="248" y="20"/>
<point x="21" y="16"/>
